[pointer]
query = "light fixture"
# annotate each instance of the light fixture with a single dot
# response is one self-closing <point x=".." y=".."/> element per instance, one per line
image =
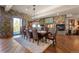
<point x="34" y="25"/>
<point x="34" y="9"/>
<point x="38" y="25"/>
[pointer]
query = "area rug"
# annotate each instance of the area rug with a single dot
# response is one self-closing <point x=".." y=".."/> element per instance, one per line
<point x="32" y="47"/>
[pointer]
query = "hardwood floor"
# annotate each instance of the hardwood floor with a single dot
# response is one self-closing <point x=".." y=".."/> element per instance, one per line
<point x="64" y="44"/>
<point x="17" y="48"/>
<point x="12" y="46"/>
<point x="50" y="49"/>
<point x="67" y="43"/>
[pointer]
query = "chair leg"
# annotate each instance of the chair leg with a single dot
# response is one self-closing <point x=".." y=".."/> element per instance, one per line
<point x="33" y="40"/>
<point x="29" y="39"/>
<point x="24" y="36"/>
<point x="37" y="42"/>
<point x="54" y="42"/>
<point x="45" y="40"/>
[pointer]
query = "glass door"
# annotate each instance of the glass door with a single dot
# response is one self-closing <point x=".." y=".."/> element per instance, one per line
<point x="17" y="23"/>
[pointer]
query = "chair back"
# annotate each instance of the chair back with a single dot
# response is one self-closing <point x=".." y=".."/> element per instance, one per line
<point x="35" y="34"/>
<point x="27" y="33"/>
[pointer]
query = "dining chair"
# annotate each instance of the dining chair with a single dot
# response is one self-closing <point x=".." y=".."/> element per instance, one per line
<point x="27" y="34"/>
<point x="52" y="37"/>
<point x="35" y="36"/>
<point x="23" y="32"/>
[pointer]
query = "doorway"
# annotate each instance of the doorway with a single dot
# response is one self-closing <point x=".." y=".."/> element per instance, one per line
<point x="17" y="24"/>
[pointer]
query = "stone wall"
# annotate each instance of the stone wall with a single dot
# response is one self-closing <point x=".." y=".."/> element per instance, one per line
<point x="6" y="22"/>
<point x="5" y="25"/>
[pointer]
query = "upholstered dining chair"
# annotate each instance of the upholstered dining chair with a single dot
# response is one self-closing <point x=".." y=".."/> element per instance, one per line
<point x="35" y="36"/>
<point x="23" y="31"/>
<point x="27" y="34"/>
<point x="52" y="37"/>
<point x="54" y="33"/>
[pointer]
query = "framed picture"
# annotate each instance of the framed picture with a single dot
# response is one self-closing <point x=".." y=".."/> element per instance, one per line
<point x="60" y="27"/>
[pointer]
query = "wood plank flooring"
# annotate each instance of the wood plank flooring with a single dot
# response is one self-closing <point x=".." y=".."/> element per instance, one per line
<point x="67" y="43"/>
<point x="50" y="49"/>
<point x="64" y="44"/>
<point x="17" y="48"/>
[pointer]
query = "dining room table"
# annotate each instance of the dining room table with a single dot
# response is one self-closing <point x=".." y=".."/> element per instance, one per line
<point x="42" y="32"/>
<point x="42" y="35"/>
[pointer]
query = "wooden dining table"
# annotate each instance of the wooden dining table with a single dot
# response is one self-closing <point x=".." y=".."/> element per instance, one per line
<point x="42" y="34"/>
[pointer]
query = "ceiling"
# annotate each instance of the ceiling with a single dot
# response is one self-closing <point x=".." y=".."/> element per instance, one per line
<point x="45" y="10"/>
<point x="29" y="9"/>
